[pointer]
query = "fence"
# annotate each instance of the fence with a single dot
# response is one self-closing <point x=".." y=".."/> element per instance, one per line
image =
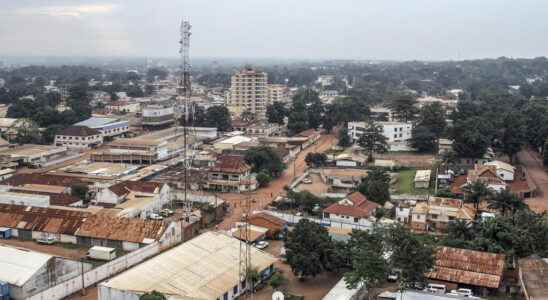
<point x="293" y="219"/>
<point x="98" y="274"/>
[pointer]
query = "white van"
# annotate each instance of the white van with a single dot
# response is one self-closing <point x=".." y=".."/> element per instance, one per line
<point x="102" y="253"/>
<point x="436" y="288"/>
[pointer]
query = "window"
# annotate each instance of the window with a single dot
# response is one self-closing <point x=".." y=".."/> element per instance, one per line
<point x="235" y="290"/>
<point x="395" y="135"/>
<point x="356" y="220"/>
<point x="225" y="296"/>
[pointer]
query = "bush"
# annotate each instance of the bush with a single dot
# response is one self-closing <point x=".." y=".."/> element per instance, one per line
<point x="263" y="179"/>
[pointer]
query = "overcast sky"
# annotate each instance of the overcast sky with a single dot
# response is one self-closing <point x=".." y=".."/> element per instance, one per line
<point x="325" y="29"/>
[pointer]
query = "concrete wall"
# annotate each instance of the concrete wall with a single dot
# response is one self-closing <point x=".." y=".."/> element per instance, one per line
<point x="93" y="276"/>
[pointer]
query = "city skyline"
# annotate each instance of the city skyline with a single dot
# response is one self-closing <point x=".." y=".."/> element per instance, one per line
<point x="392" y="30"/>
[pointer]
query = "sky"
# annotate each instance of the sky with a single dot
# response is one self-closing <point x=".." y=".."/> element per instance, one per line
<point x="287" y="29"/>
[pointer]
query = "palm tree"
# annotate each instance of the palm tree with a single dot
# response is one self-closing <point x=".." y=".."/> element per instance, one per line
<point x="475" y="192"/>
<point x="506" y="202"/>
<point x="459" y="229"/>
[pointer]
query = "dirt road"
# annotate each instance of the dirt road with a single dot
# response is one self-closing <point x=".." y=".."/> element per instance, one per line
<point x="532" y="161"/>
<point x="264" y="196"/>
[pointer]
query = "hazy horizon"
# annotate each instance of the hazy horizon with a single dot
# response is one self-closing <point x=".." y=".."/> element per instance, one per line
<point x="393" y="30"/>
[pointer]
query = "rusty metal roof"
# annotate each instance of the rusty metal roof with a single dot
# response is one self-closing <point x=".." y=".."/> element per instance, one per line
<point x="468" y="267"/>
<point x="121" y="229"/>
<point x="41" y="219"/>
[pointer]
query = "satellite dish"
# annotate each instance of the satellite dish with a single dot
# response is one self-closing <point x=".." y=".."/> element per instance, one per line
<point x="278" y="296"/>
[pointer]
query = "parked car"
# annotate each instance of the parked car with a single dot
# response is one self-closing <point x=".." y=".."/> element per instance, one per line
<point x="102" y="253"/>
<point x="46" y="240"/>
<point x="307" y="180"/>
<point x="261" y="244"/>
<point x="155" y="216"/>
<point x="463" y="292"/>
<point x="166" y="212"/>
<point x="393" y="276"/>
<point x="436" y="288"/>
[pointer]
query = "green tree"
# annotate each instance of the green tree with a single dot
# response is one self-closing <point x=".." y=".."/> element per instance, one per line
<point x="475" y="192"/>
<point x="276" y="112"/>
<point x="506" y="202"/>
<point x="277" y="279"/>
<point x="263" y="179"/>
<point x="27" y="132"/>
<point x="368" y="264"/>
<point x="49" y="134"/>
<point x="315" y="113"/>
<point x="513" y="134"/>
<point x="156" y="73"/>
<point x="316" y="159"/>
<point x="265" y="159"/>
<point x="423" y="139"/>
<point x="372" y="140"/>
<point x="154" y="295"/>
<point x="135" y="91"/>
<point x="79" y="99"/>
<point x="308" y="247"/>
<point x="344" y="139"/>
<point x="376" y="186"/>
<point x="81" y="191"/>
<point x="405" y="245"/>
<point x="219" y="117"/>
<point x="403" y="107"/>
<point x="545" y="152"/>
<point x="432" y="116"/>
<point x="247" y="116"/>
<point x="253" y="277"/>
<point x="472" y="137"/>
<point x="537" y="123"/>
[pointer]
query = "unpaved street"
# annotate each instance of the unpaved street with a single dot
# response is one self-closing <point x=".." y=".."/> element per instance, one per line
<point x="532" y="161"/>
<point x="264" y="196"/>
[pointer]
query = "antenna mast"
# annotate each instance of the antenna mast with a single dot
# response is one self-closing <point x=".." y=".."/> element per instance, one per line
<point x="184" y="92"/>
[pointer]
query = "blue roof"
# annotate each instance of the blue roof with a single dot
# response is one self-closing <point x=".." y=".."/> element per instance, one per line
<point x="95" y="122"/>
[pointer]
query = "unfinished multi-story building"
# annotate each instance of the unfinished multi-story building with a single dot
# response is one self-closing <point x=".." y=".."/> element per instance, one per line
<point x="249" y="92"/>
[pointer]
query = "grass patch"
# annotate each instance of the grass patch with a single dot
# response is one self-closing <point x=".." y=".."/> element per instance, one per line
<point x="405" y="183"/>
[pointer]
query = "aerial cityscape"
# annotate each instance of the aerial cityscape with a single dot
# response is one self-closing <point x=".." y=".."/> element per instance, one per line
<point x="179" y="150"/>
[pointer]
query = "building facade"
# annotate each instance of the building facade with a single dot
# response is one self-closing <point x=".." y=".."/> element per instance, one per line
<point x="78" y="137"/>
<point x="157" y="115"/>
<point x="278" y="93"/>
<point x="395" y="132"/>
<point x="249" y="92"/>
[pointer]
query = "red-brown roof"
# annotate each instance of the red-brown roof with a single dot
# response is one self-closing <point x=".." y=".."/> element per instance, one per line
<point x="457" y="183"/>
<point x="49" y="179"/>
<point x="231" y="164"/>
<point x="267" y="220"/>
<point x="124" y="187"/>
<point x="468" y="267"/>
<point x="49" y="220"/>
<point x="121" y="229"/>
<point x="78" y="131"/>
<point x="361" y="208"/>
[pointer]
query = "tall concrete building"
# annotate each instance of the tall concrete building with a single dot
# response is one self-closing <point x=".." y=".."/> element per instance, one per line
<point x="278" y="93"/>
<point x="249" y="91"/>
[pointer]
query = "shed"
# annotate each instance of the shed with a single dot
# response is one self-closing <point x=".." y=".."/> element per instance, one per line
<point x="422" y="179"/>
<point x="5" y="233"/>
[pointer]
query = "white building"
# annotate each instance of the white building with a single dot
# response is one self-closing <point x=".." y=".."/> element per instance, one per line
<point x="29" y="272"/>
<point x="278" y="93"/>
<point x="353" y="209"/>
<point x="108" y="127"/>
<point x="326" y="80"/>
<point x="203" y="268"/>
<point x="78" y="137"/>
<point x="505" y="170"/>
<point x="395" y="132"/>
<point x="35" y="200"/>
<point x="158" y="115"/>
<point x="249" y="92"/>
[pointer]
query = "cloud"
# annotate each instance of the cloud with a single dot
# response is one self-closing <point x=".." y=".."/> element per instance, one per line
<point x="67" y="11"/>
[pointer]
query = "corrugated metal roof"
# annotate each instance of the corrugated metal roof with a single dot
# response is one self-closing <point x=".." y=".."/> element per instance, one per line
<point x="41" y="219"/>
<point x="121" y="229"/>
<point x="17" y="266"/>
<point x="95" y="122"/>
<point x="203" y="268"/>
<point x="468" y="267"/>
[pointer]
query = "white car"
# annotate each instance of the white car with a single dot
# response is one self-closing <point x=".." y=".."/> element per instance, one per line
<point x="307" y="181"/>
<point x="46" y="240"/>
<point x="261" y="244"/>
<point x="463" y="292"/>
<point x="154" y="216"/>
